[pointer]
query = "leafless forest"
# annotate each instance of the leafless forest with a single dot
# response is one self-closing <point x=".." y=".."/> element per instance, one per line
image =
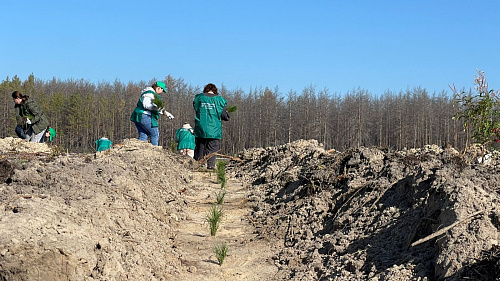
<point x="82" y="112"/>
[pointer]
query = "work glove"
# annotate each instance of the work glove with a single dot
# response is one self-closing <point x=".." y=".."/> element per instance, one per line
<point x="28" y="121"/>
<point x="168" y="114"/>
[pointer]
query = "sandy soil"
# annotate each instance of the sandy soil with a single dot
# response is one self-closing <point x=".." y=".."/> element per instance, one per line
<point x="135" y="212"/>
<point x="292" y="212"/>
<point x="249" y="258"/>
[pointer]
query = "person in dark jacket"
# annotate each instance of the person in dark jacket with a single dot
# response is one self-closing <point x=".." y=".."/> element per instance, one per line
<point x="30" y="117"/>
<point x="211" y="109"/>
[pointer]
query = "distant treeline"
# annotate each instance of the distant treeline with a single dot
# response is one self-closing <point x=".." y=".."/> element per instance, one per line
<point x="82" y="112"/>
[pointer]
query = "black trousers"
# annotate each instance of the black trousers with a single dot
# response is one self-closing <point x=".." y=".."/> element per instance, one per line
<point x="205" y="147"/>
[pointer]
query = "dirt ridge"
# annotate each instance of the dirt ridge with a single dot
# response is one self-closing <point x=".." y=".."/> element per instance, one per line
<point x="354" y="215"/>
<point x="294" y="212"/>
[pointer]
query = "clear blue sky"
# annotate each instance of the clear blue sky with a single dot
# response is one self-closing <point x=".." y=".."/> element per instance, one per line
<point x="341" y="45"/>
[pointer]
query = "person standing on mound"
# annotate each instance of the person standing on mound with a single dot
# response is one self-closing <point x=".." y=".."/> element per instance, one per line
<point x="148" y="109"/>
<point x="211" y="109"/>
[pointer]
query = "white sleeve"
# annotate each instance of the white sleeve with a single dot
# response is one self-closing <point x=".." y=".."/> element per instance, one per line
<point x="147" y="101"/>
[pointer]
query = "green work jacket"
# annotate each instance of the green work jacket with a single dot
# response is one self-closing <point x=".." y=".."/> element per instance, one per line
<point x="139" y="110"/>
<point x="208" y="123"/>
<point x="185" y="138"/>
<point x="103" y="144"/>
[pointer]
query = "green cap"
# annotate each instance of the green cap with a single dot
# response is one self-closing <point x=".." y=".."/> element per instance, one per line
<point x="161" y="85"/>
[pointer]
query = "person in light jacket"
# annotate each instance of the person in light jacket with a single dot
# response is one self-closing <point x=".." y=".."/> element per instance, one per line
<point x="210" y="110"/>
<point x="148" y="109"/>
<point x="30" y="117"/>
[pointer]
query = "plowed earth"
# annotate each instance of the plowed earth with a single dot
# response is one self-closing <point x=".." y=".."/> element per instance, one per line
<point x="291" y="212"/>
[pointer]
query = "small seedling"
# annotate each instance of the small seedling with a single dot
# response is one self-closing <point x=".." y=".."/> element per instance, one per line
<point x="214" y="218"/>
<point x="220" y="252"/>
<point x="232" y="108"/>
<point x="173" y="146"/>
<point x="220" y="169"/>
<point x="158" y="102"/>
<point x="220" y="196"/>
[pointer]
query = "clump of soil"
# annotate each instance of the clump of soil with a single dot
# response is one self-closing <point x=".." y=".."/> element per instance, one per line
<point x="366" y="214"/>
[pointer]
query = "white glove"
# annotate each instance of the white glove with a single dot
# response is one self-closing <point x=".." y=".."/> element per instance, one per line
<point x="28" y="121"/>
<point x="168" y="114"/>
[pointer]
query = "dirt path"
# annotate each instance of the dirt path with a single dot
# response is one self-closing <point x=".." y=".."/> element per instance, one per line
<point x="248" y="258"/>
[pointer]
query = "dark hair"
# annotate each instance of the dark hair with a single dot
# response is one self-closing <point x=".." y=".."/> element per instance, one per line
<point x="18" y="95"/>
<point x="210" y="87"/>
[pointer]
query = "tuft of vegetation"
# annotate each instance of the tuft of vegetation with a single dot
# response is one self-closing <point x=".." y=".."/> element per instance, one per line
<point x="172" y="145"/>
<point x="220" y="169"/>
<point x="214" y="217"/>
<point x="220" y="252"/>
<point x="232" y="108"/>
<point x="157" y="101"/>
<point x="56" y="150"/>
<point x="480" y="112"/>
<point x="220" y="196"/>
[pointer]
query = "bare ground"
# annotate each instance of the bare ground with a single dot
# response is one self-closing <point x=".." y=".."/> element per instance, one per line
<point x="135" y="212"/>
<point x="292" y="212"/>
<point x="249" y="258"/>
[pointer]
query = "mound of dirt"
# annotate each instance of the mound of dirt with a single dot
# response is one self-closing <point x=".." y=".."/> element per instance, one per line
<point x="108" y="216"/>
<point x="15" y="145"/>
<point x="375" y="214"/>
<point x="137" y="212"/>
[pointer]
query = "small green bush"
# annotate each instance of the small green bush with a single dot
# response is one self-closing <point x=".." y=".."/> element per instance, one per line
<point x="479" y="111"/>
<point x="231" y="109"/>
<point x="220" y="169"/>
<point x="214" y="218"/>
<point x="220" y="196"/>
<point x="172" y="145"/>
<point x="220" y="252"/>
<point x="157" y="101"/>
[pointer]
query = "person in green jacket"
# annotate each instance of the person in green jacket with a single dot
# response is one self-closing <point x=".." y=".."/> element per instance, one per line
<point x="30" y="117"/>
<point x="148" y="109"/>
<point x="186" y="140"/>
<point x="210" y="110"/>
<point x="103" y="144"/>
<point x="50" y="133"/>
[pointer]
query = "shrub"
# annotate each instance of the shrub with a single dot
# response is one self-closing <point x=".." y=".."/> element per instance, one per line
<point x="479" y="112"/>
<point x="220" y="169"/>
<point x="220" y="196"/>
<point x="232" y="108"/>
<point x="220" y="252"/>
<point x="157" y="101"/>
<point x="214" y="218"/>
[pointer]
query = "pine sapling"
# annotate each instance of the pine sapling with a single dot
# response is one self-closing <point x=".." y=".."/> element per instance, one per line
<point x="214" y="218"/>
<point x="157" y="101"/>
<point x="220" y="252"/>
<point x="220" y="196"/>
<point x="232" y="108"/>
<point x="221" y="173"/>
